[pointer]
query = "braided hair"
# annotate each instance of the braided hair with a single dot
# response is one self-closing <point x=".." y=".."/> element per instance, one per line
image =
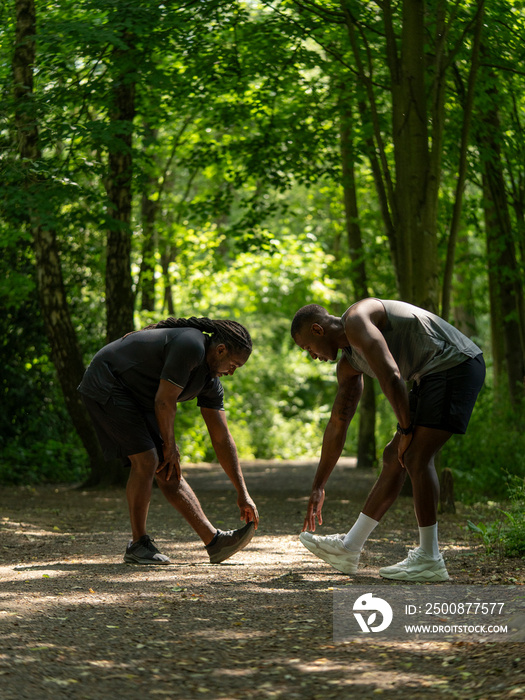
<point x="232" y="334"/>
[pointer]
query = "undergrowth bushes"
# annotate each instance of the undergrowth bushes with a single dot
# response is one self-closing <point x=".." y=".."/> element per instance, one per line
<point x="490" y="453"/>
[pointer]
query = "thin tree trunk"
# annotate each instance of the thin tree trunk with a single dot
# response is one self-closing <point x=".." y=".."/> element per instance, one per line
<point x="148" y="208"/>
<point x="119" y="292"/>
<point x="464" y="312"/>
<point x="168" y="305"/>
<point x="462" y="169"/>
<point x="147" y="267"/>
<point x="65" y="351"/>
<point x="504" y="275"/>
<point x="417" y="174"/>
<point x="506" y="287"/>
<point x="366" y="444"/>
<point x="497" y="342"/>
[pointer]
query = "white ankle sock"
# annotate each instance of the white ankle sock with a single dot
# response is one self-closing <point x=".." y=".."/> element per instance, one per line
<point x="360" y="532"/>
<point x="428" y="540"/>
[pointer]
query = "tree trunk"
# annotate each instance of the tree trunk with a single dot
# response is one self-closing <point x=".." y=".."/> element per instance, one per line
<point x="501" y="262"/>
<point x="462" y="171"/>
<point x="506" y="288"/>
<point x="119" y="293"/>
<point x="168" y="303"/>
<point x="366" y="442"/>
<point x="149" y="206"/>
<point x="416" y="191"/>
<point x="65" y="351"/>
<point x="464" y="312"/>
<point x="147" y="266"/>
<point x="417" y="62"/>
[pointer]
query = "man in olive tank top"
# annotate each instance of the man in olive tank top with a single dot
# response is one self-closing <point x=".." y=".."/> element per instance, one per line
<point x="394" y="342"/>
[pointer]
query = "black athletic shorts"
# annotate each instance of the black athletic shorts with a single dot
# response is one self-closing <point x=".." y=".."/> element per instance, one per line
<point x="123" y="427"/>
<point x="445" y="400"/>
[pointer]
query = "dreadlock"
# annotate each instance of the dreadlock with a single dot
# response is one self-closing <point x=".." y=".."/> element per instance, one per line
<point x="232" y="334"/>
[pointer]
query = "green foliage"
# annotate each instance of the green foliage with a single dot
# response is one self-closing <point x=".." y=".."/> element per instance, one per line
<point x="37" y="440"/>
<point x="506" y="535"/>
<point x="279" y="402"/>
<point x="492" y="449"/>
<point x="288" y="397"/>
<point x="36" y="461"/>
<point x="236" y="144"/>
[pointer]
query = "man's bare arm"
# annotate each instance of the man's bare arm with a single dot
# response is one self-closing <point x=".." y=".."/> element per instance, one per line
<point x="349" y="391"/>
<point x="226" y="451"/>
<point x="165" y="411"/>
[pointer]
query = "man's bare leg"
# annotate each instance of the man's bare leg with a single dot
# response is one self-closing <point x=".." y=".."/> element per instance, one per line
<point x="388" y="485"/>
<point x="383" y="494"/>
<point x="419" y="462"/>
<point x="425" y="563"/>
<point x="138" y="490"/>
<point x="179" y="495"/>
<point x="182" y="497"/>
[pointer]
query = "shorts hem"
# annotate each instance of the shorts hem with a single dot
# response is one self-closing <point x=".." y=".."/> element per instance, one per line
<point x="448" y="429"/>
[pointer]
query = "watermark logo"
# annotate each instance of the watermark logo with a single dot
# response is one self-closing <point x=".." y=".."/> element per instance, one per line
<point x="466" y="612"/>
<point x="370" y="603"/>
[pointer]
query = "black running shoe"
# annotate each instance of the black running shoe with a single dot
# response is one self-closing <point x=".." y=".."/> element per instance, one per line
<point x="143" y="551"/>
<point x="229" y="542"/>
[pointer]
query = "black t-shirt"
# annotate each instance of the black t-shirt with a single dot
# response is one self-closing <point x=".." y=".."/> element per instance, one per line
<point x="140" y="360"/>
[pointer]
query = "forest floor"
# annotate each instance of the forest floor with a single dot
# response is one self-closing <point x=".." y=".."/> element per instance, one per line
<point x="76" y="622"/>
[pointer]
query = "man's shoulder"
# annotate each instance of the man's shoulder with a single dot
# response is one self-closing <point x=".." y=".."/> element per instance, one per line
<point x="188" y="343"/>
<point x="185" y="336"/>
<point x="359" y="319"/>
<point x="365" y="308"/>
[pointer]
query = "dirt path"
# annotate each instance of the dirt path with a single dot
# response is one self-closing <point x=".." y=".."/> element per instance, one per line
<point x="75" y="622"/>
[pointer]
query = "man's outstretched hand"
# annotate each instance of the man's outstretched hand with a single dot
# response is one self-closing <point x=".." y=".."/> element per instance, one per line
<point x="314" y="510"/>
<point x="248" y="510"/>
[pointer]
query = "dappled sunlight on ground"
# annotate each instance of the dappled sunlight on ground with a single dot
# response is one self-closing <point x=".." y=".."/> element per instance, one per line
<point x="76" y="622"/>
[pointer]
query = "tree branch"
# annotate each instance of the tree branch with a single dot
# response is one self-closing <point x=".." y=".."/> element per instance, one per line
<point x="466" y="31"/>
<point x="321" y="12"/>
<point x="503" y="69"/>
<point x="310" y="34"/>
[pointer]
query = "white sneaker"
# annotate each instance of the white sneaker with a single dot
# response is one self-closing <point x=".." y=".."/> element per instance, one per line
<point x="418" y="566"/>
<point x="331" y="549"/>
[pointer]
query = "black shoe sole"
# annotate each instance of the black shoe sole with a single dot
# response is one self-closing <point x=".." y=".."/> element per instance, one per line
<point x="132" y="559"/>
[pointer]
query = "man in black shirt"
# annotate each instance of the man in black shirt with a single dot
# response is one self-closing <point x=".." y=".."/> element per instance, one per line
<point x="131" y="389"/>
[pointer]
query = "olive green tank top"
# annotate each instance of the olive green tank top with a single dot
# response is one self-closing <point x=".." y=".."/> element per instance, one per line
<point x="420" y="342"/>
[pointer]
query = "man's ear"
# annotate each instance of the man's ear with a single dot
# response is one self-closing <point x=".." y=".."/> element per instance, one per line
<point x="317" y="329"/>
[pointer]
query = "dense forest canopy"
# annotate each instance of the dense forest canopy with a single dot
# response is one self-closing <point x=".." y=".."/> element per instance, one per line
<point x="239" y="160"/>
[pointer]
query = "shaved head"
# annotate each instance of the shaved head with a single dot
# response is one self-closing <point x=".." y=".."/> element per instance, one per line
<point x="313" y="313"/>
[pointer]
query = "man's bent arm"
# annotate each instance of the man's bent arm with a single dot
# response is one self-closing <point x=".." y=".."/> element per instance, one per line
<point x="226" y="451"/>
<point x="165" y="411"/>
<point x="362" y="327"/>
